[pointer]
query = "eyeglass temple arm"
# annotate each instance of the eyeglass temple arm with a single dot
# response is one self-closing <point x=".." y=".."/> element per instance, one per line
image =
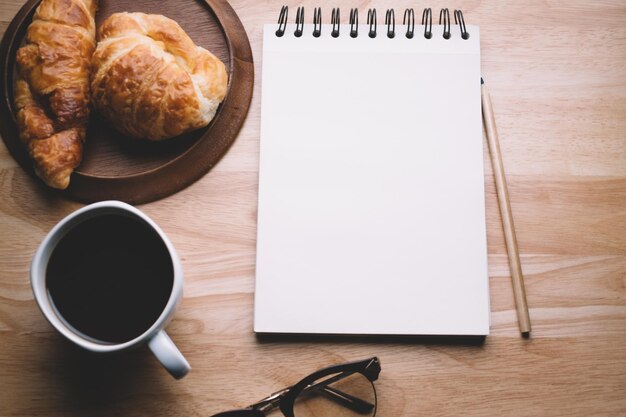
<point x="271" y="401"/>
<point x="349" y="401"/>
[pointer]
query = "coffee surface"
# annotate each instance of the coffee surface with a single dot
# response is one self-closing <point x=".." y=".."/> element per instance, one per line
<point x="110" y="277"/>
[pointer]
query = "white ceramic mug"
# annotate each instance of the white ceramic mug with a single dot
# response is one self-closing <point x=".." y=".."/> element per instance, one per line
<point x="158" y="341"/>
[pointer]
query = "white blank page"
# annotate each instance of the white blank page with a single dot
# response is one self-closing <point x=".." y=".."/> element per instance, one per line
<point x="371" y="216"/>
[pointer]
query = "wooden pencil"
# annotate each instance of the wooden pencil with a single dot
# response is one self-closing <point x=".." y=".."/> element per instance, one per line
<point x="515" y="265"/>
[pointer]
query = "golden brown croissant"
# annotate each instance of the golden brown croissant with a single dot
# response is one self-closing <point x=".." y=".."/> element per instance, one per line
<point x="150" y="80"/>
<point x="52" y="86"/>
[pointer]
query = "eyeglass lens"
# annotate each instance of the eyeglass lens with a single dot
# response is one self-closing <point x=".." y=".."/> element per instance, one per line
<point x="337" y="395"/>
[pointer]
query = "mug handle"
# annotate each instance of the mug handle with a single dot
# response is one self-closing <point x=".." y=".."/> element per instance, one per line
<point x="168" y="354"/>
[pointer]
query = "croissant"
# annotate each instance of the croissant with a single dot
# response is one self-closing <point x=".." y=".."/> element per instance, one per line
<point x="150" y="80"/>
<point x="52" y="86"/>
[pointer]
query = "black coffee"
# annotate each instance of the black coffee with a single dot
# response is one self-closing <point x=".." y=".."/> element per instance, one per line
<point x="110" y="277"/>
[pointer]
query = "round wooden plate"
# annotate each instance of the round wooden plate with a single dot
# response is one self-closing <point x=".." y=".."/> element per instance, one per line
<point x="115" y="167"/>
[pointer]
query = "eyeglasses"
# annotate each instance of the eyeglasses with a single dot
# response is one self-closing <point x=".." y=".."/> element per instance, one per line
<point x="345" y="390"/>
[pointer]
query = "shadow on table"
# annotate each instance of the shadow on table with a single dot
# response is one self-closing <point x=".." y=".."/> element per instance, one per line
<point x="107" y="383"/>
<point x="373" y="339"/>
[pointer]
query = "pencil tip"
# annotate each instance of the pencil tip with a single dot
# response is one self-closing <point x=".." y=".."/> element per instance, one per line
<point x="482" y="81"/>
<point x="526" y="335"/>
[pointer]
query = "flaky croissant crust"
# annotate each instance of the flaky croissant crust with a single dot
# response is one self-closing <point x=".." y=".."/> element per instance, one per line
<point x="52" y="86"/>
<point x="150" y="79"/>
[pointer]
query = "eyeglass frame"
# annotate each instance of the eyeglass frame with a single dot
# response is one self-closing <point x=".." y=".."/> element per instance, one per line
<point x="286" y="398"/>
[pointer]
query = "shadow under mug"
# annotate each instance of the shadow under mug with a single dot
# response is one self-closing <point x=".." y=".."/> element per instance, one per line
<point x="155" y="337"/>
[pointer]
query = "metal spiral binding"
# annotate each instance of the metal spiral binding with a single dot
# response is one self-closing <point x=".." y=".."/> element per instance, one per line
<point x="445" y="13"/>
<point x="458" y="19"/>
<point x="427" y="22"/>
<point x="409" y="21"/>
<point x="334" y="20"/>
<point x="282" y="21"/>
<point x="317" y="22"/>
<point x="390" y="21"/>
<point x="371" y="20"/>
<point x="299" y="22"/>
<point x="354" y="23"/>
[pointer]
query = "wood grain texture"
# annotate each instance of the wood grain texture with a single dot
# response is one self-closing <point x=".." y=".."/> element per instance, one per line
<point x="556" y="74"/>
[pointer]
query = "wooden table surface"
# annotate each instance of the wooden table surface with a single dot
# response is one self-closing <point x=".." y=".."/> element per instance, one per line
<point x="557" y="74"/>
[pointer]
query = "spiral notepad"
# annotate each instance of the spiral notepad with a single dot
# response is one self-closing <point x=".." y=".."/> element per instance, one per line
<point x="371" y="215"/>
